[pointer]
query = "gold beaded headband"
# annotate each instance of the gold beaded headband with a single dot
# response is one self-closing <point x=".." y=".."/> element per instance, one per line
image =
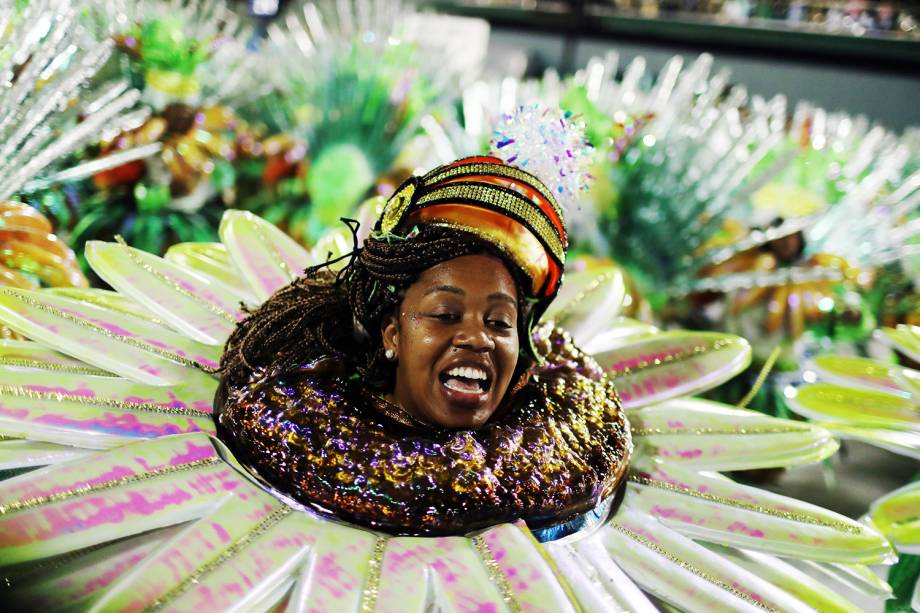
<point x="501" y="204"/>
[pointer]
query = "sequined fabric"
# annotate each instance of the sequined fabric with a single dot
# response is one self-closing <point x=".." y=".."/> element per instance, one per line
<point x="559" y="446"/>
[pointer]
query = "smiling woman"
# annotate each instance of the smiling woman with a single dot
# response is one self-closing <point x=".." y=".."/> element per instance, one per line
<point x="410" y="391"/>
<point x="455" y="339"/>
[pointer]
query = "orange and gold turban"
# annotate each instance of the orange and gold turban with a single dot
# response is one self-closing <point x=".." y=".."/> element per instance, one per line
<point x="501" y="204"/>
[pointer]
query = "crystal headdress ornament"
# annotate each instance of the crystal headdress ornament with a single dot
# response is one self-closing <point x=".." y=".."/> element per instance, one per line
<point x="510" y="200"/>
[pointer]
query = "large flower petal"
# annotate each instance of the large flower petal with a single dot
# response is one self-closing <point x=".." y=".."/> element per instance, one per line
<point x="111" y="340"/>
<point x="201" y="308"/>
<point x="667" y="365"/>
<point x="718" y="510"/>
<point x="708" y="435"/>
<point x="266" y="257"/>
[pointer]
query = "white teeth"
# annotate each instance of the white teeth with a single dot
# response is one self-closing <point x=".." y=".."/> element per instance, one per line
<point x="467" y="372"/>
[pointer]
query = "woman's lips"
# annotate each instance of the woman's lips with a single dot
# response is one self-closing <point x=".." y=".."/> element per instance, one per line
<point x="464" y="392"/>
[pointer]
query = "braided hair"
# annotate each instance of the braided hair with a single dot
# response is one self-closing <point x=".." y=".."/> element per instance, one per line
<point x="329" y="314"/>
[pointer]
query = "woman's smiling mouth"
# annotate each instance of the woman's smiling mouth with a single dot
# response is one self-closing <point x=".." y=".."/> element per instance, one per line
<point x="466" y="385"/>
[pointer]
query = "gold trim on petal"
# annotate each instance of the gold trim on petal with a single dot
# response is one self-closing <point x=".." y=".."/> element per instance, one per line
<point x="747" y="506"/>
<point x="672" y="358"/>
<point x="374" y="571"/>
<point x="71" y="369"/>
<point x="150" y="407"/>
<point x="717" y="431"/>
<point x="128" y="340"/>
<point x="268" y="522"/>
<point x="173" y="284"/>
<point x="28" y="503"/>
<point x="496" y="576"/>
<point x="691" y="568"/>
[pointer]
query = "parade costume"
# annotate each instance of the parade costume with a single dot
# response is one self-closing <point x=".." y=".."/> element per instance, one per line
<point x="140" y="506"/>
<point x="119" y="491"/>
<point x="559" y="448"/>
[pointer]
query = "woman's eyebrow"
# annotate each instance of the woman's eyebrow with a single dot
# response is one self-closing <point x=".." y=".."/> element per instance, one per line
<point x="445" y="288"/>
<point x="503" y="297"/>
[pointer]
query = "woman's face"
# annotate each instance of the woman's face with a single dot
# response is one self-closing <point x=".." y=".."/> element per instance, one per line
<point x="456" y="342"/>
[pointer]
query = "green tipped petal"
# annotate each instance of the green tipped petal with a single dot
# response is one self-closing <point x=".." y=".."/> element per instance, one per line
<point x="110" y="495"/>
<point x="96" y="412"/>
<point x="718" y="510"/>
<point x="854" y="406"/>
<point x="897" y="516"/>
<point x="333" y="245"/>
<point x="707" y="435"/>
<point x="683" y="573"/>
<point x="790" y="579"/>
<point x="902" y="442"/>
<point x="18" y="453"/>
<point x="26" y="354"/>
<point x="868" y="374"/>
<point x="597" y="582"/>
<point x="211" y="260"/>
<point x="621" y="332"/>
<point x="904" y="338"/>
<point x="856" y="577"/>
<point x="105" y="299"/>
<point x="110" y="340"/>
<point x="198" y="307"/>
<point x="73" y="581"/>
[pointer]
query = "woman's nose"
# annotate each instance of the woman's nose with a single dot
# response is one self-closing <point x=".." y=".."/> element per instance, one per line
<point x="474" y="336"/>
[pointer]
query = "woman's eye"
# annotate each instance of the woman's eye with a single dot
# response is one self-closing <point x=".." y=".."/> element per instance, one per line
<point x="501" y="324"/>
<point x="446" y="316"/>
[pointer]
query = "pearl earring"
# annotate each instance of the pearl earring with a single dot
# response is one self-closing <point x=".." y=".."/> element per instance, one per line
<point x="390" y="353"/>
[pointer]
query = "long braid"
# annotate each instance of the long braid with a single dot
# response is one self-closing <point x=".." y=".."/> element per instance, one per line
<point x="325" y="313"/>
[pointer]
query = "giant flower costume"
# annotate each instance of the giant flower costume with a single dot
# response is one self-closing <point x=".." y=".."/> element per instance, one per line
<point x="311" y="496"/>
